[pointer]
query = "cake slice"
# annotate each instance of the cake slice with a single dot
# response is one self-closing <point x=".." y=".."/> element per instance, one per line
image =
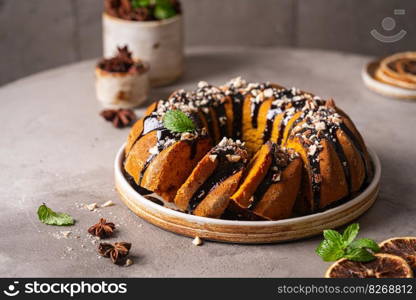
<point x="256" y="106"/>
<point x="333" y="154"/>
<point x="271" y="183"/>
<point x="207" y="190"/>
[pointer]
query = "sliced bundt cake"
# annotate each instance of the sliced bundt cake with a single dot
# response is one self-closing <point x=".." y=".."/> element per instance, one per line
<point x="271" y="182"/>
<point x="302" y="147"/>
<point x="208" y="189"/>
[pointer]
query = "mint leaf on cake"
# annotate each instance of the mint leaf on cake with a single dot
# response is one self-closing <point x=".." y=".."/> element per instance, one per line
<point x="50" y="217"/>
<point x="336" y="246"/>
<point x="178" y="121"/>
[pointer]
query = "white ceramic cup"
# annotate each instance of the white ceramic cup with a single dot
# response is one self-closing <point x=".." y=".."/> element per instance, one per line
<point x="159" y="43"/>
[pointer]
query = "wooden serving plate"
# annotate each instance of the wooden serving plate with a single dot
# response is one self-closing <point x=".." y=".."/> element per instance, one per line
<point x="382" y="88"/>
<point x="248" y="232"/>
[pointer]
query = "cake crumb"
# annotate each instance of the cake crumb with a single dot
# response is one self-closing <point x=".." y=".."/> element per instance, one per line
<point x="197" y="241"/>
<point x="108" y="203"/>
<point x="66" y="233"/>
<point x="129" y="262"/>
<point x="92" y="206"/>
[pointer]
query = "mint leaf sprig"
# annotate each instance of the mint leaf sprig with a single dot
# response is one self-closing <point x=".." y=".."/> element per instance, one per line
<point x="178" y="121"/>
<point x="48" y="216"/>
<point x="336" y="246"/>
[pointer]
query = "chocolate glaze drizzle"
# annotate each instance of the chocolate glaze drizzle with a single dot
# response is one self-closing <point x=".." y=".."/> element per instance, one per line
<point x="222" y="119"/>
<point x="207" y="97"/>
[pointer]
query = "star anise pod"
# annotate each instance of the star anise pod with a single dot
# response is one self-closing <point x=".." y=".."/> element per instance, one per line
<point x="102" y="229"/>
<point x="117" y="252"/>
<point x="119" y="117"/>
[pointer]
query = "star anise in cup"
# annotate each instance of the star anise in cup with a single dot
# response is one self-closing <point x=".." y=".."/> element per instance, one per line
<point x="119" y="117"/>
<point x="117" y="252"/>
<point x="102" y="229"/>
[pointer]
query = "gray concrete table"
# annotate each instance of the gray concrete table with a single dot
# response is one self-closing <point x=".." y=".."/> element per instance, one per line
<point x="54" y="148"/>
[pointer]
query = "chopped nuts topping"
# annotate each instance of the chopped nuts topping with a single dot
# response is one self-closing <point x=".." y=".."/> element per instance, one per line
<point x="108" y="203"/>
<point x="212" y="157"/>
<point x="276" y="177"/>
<point x="268" y="93"/>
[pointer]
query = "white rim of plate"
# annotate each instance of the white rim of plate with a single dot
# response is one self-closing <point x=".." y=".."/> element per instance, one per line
<point x="203" y="220"/>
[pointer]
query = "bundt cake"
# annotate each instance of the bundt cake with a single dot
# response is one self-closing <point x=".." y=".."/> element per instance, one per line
<point x="297" y="152"/>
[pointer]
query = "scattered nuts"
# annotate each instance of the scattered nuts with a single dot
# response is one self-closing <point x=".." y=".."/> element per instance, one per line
<point x="129" y="262"/>
<point x="312" y="150"/>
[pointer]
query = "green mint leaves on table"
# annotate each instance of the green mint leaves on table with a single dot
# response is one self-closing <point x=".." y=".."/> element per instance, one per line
<point x="163" y="9"/>
<point x="48" y="216"/>
<point x="336" y="246"/>
<point x="178" y="121"/>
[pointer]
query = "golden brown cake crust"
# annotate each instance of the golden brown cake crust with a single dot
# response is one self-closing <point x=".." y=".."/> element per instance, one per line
<point x="254" y="175"/>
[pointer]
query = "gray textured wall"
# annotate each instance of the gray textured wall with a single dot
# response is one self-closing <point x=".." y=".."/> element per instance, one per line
<point x="40" y="34"/>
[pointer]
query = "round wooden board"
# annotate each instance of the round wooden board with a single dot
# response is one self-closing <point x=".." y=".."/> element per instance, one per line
<point x="382" y="88"/>
<point x="248" y="232"/>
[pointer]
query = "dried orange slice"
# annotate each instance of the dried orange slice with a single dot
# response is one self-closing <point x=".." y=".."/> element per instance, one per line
<point x="405" y="247"/>
<point x="383" y="266"/>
